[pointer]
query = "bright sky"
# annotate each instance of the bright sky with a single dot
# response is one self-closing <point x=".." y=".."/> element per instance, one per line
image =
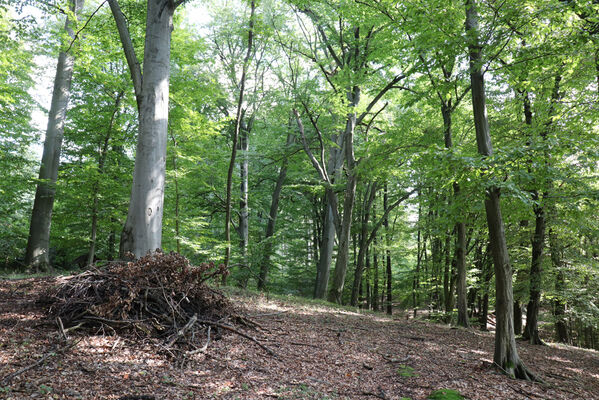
<point x="196" y="14"/>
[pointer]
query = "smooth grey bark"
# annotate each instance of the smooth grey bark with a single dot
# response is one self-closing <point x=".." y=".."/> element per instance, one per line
<point x="238" y="117"/>
<point x="142" y="232"/>
<point x="101" y="162"/>
<point x="506" y="353"/>
<point x="272" y="218"/>
<point x="38" y="242"/>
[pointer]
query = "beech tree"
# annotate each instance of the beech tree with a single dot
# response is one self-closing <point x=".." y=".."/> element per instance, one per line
<point x="38" y="244"/>
<point x="142" y="232"/>
<point x="506" y="353"/>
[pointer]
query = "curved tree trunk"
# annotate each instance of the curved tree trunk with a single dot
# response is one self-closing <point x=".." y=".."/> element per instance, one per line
<point x="506" y="354"/>
<point x="38" y="242"/>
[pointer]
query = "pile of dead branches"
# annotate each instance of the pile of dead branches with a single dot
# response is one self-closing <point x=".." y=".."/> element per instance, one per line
<point x="159" y="295"/>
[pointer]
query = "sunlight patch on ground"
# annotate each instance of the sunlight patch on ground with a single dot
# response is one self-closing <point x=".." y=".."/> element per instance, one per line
<point x="559" y="359"/>
<point x="21" y="317"/>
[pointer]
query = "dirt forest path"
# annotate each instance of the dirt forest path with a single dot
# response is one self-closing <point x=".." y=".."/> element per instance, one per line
<point x="321" y="353"/>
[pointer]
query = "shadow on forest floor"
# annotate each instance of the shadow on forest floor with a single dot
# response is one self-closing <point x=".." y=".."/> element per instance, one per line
<point x="322" y="353"/>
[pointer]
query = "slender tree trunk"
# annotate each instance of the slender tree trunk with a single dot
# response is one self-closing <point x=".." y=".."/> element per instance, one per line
<point x="388" y="278"/>
<point x="447" y="289"/>
<point x="272" y="218"/>
<point x="336" y="292"/>
<point x="375" y="266"/>
<point x="463" y="319"/>
<point x="531" y="330"/>
<point x="484" y="264"/>
<point x="38" y="242"/>
<point x="369" y="197"/>
<point x="506" y="354"/>
<point x="559" y="304"/>
<point x="177" y="195"/>
<point x="517" y="317"/>
<point x="368" y="280"/>
<point x="142" y="232"/>
<point x="326" y="252"/>
<point x="101" y="161"/>
<point x="242" y="82"/>
<point x="460" y="229"/>
<point x="243" y="228"/>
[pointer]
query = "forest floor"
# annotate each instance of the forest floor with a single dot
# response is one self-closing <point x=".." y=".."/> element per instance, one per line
<point x="321" y="353"/>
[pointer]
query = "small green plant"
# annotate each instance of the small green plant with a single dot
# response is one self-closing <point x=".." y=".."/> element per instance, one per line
<point x="406" y="371"/>
<point x="445" y="394"/>
<point x="44" y="389"/>
<point x="167" y="380"/>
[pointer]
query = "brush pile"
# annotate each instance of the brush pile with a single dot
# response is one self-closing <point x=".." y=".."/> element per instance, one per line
<point x="159" y="296"/>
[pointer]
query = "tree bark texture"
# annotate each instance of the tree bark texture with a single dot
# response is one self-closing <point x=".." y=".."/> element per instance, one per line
<point x="506" y="354"/>
<point x="142" y="232"/>
<point x="38" y="242"/>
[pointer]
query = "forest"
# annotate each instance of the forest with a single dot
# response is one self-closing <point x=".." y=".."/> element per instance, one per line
<point x="432" y="160"/>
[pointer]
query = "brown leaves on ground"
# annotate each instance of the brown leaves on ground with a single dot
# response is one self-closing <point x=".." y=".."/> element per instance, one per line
<point x="323" y="353"/>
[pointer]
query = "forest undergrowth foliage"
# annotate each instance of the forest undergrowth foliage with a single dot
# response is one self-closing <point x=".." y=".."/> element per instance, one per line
<point x="157" y="296"/>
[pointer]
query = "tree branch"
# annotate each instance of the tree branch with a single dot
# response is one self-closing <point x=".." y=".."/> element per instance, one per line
<point x="132" y="60"/>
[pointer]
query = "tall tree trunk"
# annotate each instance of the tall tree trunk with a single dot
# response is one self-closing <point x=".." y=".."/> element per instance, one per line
<point x="460" y="251"/>
<point x="369" y="197"/>
<point x="375" y="266"/>
<point x="272" y="218"/>
<point x="368" y="280"/>
<point x="142" y="232"/>
<point x="415" y="282"/>
<point x="243" y="228"/>
<point x="336" y="292"/>
<point x="238" y="117"/>
<point x="506" y="354"/>
<point x="389" y="307"/>
<point x="326" y="251"/>
<point x="38" y="242"/>
<point x="177" y="195"/>
<point x="447" y="276"/>
<point x="559" y="304"/>
<point x="460" y="229"/>
<point x="531" y="330"/>
<point x="517" y="317"/>
<point x="484" y="264"/>
<point x="101" y="161"/>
